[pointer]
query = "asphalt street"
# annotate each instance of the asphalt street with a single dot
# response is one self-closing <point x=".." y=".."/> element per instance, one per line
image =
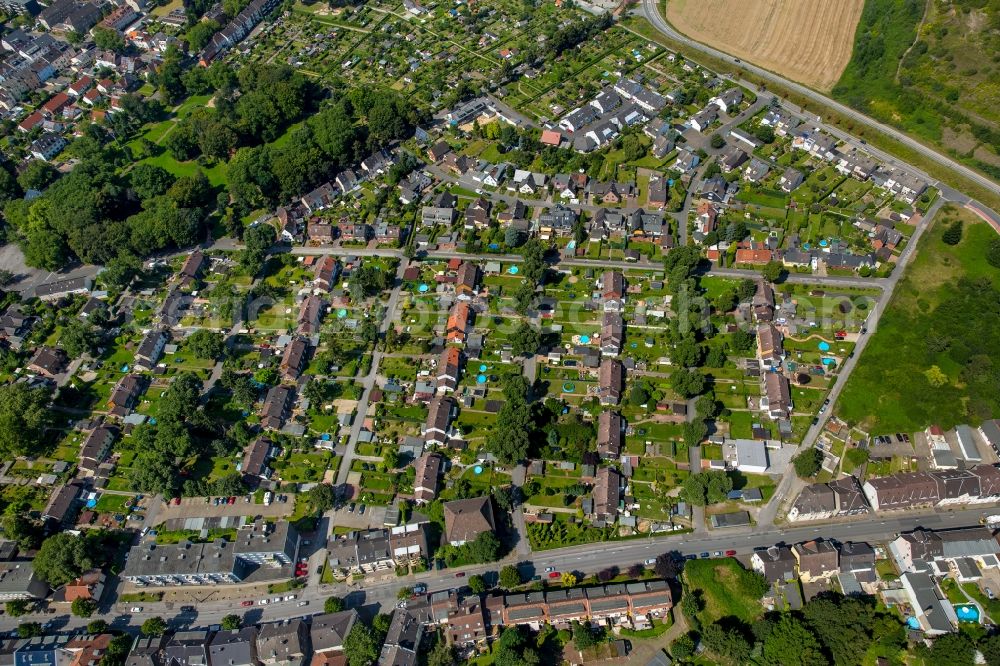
<point x="583" y="559"/>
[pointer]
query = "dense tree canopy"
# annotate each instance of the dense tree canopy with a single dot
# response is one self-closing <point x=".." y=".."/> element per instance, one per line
<point x="23" y="418"/>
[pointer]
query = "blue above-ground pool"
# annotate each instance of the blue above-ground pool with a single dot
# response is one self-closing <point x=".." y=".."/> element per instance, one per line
<point x="482" y="368"/>
<point x="824" y="346"/>
<point x="481" y="379"/>
<point x="325" y="437"/>
<point x="91" y="503"/>
<point x="967" y="613"/>
<point x="824" y="243"/>
<point x="806" y="246"/>
<point x="478" y="469"/>
<point x="912" y="622"/>
<point x="584" y="339"/>
<point x="341" y="313"/>
<point x="423" y="288"/>
<point x="513" y="270"/>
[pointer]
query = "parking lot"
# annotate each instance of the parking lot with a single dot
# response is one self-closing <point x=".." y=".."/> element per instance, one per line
<point x="197" y="507"/>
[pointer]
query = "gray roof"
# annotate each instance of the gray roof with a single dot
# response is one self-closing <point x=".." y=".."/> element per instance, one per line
<point x="328" y="631"/>
<point x="234" y="648"/>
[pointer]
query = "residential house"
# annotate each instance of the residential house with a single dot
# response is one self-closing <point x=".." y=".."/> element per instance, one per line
<point x="762" y="303"/>
<point x="236" y="647"/>
<point x="612" y="333"/>
<point x="95" y="449"/>
<point x="466" y="519"/>
<point x="326" y="271"/>
<point x="149" y="351"/>
<point x="320" y="233"/>
<point x="557" y="221"/>
<point x="293" y="360"/>
<point x="328" y="631"/>
<point x="858" y="558"/>
<point x="842" y="497"/>
<point x="816" y="559"/>
<point x="193" y="266"/>
<point x="47" y="146"/>
<point x="310" y="315"/>
<point x="775" y="563"/>
<point x="659" y="192"/>
<point x="439" y="415"/>
<point x="459" y="319"/>
<point x="704" y="118"/>
<point x="425" y="482"/>
<point x="610" y="433"/>
<point x="401" y="646"/>
<point x="449" y="369"/>
<point x="756" y="171"/>
<point x="611" y="381"/>
<point x="125" y="395"/>
<point x="276" y="407"/>
<point x="790" y="179"/>
<point x="686" y="161"/>
<point x="728" y="101"/>
<point x="63" y="505"/>
<point x="607" y="494"/>
<point x="477" y="214"/>
<point x="437" y="152"/>
<point x="770" y="345"/>
<point x="732" y="158"/>
<point x="283" y="643"/>
<point x="776" y="400"/>
<point x="612" y="288"/>
<point x="256" y="456"/>
<point x="48" y="361"/>
<point x="467" y="280"/>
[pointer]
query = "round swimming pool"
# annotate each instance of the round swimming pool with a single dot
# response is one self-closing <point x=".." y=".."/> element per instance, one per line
<point x="824" y="346"/>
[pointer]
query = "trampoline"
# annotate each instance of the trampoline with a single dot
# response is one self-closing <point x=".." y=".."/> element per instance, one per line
<point x="824" y="346"/>
<point x="569" y="387"/>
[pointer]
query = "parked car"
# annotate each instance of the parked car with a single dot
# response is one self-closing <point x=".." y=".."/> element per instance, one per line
<point x="705" y="556"/>
<point x="460" y="574"/>
<point x="650" y="562"/>
<point x="730" y="553"/>
<point x="304" y="603"/>
<point x="136" y="609"/>
<point x="555" y="574"/>
<point x="247" y="603"/>
<point x="548" y="569"/>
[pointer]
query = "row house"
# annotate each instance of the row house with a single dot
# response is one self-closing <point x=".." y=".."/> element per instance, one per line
<point x="610" y="434"/>
<point x="920" y="550"/>
<point x="367" y="551"/>
<point x="776" y="397"/>
<point x="611" y="380"/>
<point x="276" y="407"/>
<point x="819" y="501"/>
<point x="615" y="602"/>
<point x="449" y="370"/>
<point x="425" y="482"/>
<point x="293" y="359"/>
<point x="459" y="319"/>
<point x="611" y="286"/>
<point x="978" y="484"/>
<point x="612" y="333"/>
<point x="437" y="428"/>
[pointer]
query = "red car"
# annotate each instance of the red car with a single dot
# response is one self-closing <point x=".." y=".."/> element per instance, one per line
<point x="460" y="574"/>
<point x="232" y="500"/>
<point x="247" y="603"/>
<point x="555" y="574"/>
<point x="730" y="553"/>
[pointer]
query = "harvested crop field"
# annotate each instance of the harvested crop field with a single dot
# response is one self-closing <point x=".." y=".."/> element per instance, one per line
<point x="808" y="41"/>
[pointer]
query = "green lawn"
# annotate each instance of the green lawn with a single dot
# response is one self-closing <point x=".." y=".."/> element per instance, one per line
<point x="933" y="322"/>
<point x="722" y="583"/>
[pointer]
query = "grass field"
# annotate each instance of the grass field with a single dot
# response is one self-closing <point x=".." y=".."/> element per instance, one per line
<point x="933" y="322"/>
<point x="808" y="41"/>
<point x="722" y="585"/>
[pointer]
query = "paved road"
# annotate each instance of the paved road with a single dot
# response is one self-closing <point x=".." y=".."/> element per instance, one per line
<point x="790" y="485"/>
<point x="369" y="381"/>
<point x="585" y="559"/>
<point x="650" y="11"/>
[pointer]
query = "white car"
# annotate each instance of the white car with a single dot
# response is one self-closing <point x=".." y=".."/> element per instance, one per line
<point x="136" y="609"/>
<point x="549" y="569"/>
<point x="290" y="597"/>
<point x="651" y="561"/>
<point x="263" y="602"/>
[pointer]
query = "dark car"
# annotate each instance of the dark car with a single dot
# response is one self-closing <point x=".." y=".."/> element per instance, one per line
<point x="460" y="574"/>
<point x="188" y="609"/>
<point x="705" y="555"/>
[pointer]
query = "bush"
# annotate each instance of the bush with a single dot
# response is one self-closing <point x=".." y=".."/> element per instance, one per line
<point x="808" y="463"/>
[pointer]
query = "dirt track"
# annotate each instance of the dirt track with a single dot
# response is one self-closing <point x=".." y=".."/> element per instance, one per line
<point x="809" y="41"/>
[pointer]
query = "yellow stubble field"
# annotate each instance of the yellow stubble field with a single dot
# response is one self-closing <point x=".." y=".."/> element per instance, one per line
<point x="808" y="41"/>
